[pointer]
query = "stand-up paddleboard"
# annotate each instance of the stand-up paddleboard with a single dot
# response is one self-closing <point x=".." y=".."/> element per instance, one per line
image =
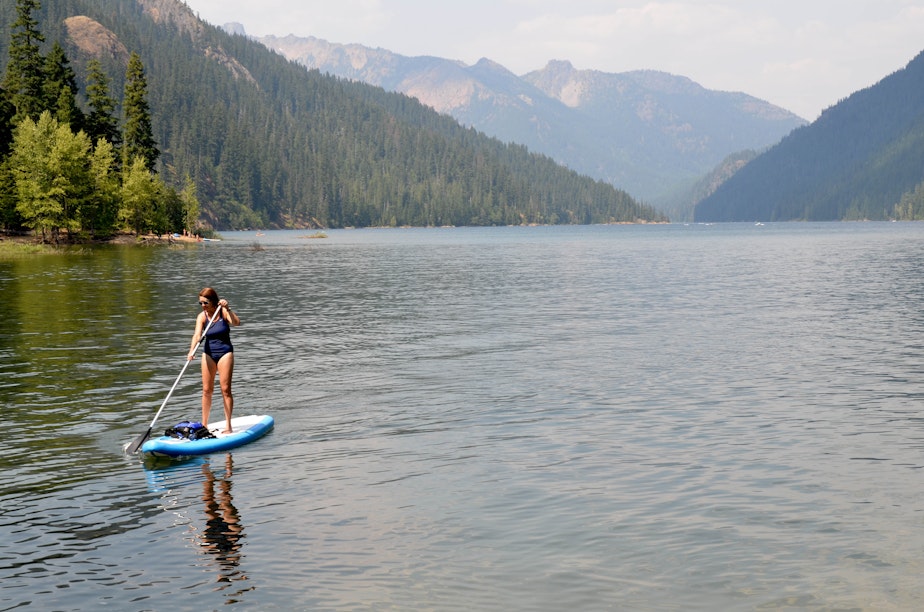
<point x="245" y="429"/>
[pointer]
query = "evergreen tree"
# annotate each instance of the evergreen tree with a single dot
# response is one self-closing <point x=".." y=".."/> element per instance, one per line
<point x="270" y="144"/>
<point x="911" y="205"/>
<point x="101" y="122"/>
<point x="60" y="89"/>
<point x="138" y="134"/>
<point x="9" y="216"/>
<point x="7" y="111"/>
<point x="25" y="70"/>
<point x="172" y="205"/>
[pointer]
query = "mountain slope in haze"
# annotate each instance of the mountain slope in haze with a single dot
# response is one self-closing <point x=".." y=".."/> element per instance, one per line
<point x="648" y="132"/>
<point x="269" y="143"/>
<point x="856" y="161"/>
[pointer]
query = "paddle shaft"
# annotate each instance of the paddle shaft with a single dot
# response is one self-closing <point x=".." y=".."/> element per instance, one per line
<point x="138" y="442"/>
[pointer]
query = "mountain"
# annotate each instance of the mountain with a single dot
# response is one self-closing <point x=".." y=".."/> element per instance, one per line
<point x="269" y="143"/>
<point x="648" y="132"/>
<point x="858" y="160"/>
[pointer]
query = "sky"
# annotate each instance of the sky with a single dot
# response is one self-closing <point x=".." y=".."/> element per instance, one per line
<point x="802" y="55"/>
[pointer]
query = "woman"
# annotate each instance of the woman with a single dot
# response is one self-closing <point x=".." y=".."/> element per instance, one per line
<point x="217" y="354"/>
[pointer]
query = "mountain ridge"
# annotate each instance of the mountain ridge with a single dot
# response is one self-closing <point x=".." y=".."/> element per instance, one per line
<point x="856" y="161"/>
<point x="648" y="132"/>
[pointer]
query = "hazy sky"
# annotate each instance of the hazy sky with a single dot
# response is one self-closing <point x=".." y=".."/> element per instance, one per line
<point x="803" y="55"/>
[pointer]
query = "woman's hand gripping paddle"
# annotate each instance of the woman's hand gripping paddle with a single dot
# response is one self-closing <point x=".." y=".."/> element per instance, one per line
<point x="134" y="446"/>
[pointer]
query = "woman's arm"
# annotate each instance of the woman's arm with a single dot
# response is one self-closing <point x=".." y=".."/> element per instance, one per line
<point x="228" y="316"/>
<point x="196" y="336"/>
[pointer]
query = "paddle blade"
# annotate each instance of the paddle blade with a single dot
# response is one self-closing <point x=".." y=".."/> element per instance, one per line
<point x="134" y="446"/>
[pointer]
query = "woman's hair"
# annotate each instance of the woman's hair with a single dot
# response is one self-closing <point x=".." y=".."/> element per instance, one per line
<point x="210" y="294"/>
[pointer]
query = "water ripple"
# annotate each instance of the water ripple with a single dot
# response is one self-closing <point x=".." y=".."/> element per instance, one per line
<point x="510" y="418"/>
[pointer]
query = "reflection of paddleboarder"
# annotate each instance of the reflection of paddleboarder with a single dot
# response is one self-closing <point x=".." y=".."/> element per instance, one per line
<point x="223" y="529"/>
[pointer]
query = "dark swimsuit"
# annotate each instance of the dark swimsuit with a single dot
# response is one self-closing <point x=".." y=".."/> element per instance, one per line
<point x="218" y="340"/>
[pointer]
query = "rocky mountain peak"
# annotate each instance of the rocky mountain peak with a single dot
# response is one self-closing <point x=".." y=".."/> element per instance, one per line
<point x="94" y="39"/>
<point x="644" y="131"/>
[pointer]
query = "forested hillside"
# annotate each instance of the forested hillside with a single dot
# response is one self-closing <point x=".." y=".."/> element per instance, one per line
<point x="269" y="144"/>
<point x="862" y="159"/>
<point x="648" y="132"/>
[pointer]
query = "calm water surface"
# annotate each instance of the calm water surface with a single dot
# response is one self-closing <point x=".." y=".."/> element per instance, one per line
<point x="580" y="418"/>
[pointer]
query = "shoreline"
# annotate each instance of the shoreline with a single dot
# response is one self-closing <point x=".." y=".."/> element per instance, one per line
<point x="29" y="244"/>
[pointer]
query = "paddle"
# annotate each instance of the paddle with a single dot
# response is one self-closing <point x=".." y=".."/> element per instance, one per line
<point x="134" y="446"/>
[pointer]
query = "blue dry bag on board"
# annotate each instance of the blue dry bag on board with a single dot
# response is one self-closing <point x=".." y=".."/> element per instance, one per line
<point x="189" y="431"/>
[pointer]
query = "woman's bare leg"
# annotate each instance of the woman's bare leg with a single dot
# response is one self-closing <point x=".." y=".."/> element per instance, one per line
<point x="225" y="371"/>
<point x="208" y="386"/>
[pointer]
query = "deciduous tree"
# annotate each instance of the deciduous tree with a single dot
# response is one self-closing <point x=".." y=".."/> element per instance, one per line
<point x="141" y="194"/>
<point x="50" y="167"/>
<point x="190" y="205"/>
<point x="99" y="214"/>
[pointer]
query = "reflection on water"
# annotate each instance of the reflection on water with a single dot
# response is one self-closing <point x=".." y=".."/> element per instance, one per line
<point x="219" y="537"/>
<point x="223" y="530"/>
<point x="644" y="418"/>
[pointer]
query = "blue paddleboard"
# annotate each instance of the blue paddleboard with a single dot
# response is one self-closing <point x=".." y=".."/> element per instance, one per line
<point x="245" y="429"/>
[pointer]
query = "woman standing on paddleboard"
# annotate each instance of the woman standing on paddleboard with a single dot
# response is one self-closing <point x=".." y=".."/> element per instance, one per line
<point x="217" y="353"/>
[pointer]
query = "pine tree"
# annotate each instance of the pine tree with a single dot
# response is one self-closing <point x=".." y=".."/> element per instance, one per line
<point x="25" y="71"/>
<point x="7" y="112"/>
<point x="60" y="89"/>
<point x="139" y="135"/>
<point x="9" y="216"/>
<point x="101" y="122"/>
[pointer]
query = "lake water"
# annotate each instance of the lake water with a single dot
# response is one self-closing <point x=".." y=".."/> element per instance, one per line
<point x="675" y="417"/>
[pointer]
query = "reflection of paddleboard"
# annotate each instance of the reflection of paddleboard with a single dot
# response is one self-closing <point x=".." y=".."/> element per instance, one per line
<point x="245" y="429"/>
<point x="165" y="473"/>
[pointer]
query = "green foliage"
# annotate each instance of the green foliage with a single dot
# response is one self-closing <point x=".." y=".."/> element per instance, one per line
<point x="9" y="217"/>
<point x="142" y="193"/>
<point x="51" y="174"/>
<point x="55" y="179"/>
<point x="101" y="121"/>
<point x="100" y="211"/>
<point x="190" y="204"/>
<point x="138" y="134"/>
<point x="266" y="143"/>
<point x="60" y="89"/>
<point x="911" y="205"/>
<point x="7" y="111"/>
<point x="25" y="71"/>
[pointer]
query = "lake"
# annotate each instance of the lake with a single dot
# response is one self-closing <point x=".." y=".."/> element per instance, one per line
<point x="666" y="417"/>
